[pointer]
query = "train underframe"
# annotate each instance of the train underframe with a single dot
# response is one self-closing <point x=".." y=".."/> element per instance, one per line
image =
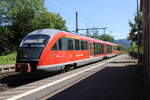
<point x="26" y="66"/>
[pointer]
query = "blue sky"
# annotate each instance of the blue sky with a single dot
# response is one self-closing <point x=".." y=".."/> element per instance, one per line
<point x="113" y="14"/>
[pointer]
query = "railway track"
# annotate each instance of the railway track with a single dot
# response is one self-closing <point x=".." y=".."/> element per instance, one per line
<point x="6" y="71"/>
<point x="4" y="74"/>
<point x="3" y="86"/>
<point x="12" y="79"/>
<point x="7" y="68"/>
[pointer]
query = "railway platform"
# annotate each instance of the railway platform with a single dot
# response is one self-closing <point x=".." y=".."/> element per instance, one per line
<point x="119" y="80"/>
<point x="112" y="79"/>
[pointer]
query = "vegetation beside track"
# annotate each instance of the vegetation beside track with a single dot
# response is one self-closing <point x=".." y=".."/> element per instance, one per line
<point x="8" y="59"/>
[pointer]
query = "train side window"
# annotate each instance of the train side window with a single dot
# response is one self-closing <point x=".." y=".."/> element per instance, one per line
<point x="95" y="48"/>
<point x="99" y="48"/>
<point x="102" y="49"/>
<point x="54" y="47"/>
<point x="86" y="45"/>
<point x="82" y="45"/>
<point x="64" y="43"/>
<point x="77" y="44"/>
<point x="60" y="44"/>
<point x="109" y="49"/>
<point x="70" y="44"/>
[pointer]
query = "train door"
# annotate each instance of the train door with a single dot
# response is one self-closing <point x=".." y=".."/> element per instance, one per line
<point x="91" y="48"/>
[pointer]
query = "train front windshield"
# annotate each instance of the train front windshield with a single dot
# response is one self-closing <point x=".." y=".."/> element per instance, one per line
<point x="38" y="40"/>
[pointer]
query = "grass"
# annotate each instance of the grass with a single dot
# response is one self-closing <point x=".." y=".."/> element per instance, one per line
<point x="8" y="59"/>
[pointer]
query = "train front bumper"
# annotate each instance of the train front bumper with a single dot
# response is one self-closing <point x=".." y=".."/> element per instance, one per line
<point x="23" y="67"/>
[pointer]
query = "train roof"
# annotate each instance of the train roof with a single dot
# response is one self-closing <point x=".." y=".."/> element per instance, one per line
<point x="51" y="32"/>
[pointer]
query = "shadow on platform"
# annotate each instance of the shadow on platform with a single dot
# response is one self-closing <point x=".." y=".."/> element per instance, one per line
<point x="122" y="62"/>
<point x="110" y="83"/>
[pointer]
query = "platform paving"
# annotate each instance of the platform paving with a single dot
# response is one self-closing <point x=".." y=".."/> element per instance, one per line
<point x="119" y="80"/>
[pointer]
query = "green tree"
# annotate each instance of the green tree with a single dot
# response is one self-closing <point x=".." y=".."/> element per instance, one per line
<point x="137" y="23"/>
<point x="5" y="40"/>
<point x="135" y="26"/>
<point x="19" y="17"/>
<point x="121" y="47"/>
<point x="48" y="20"/>
<point x="133" y="47"/>
<point x="106" y="37"/>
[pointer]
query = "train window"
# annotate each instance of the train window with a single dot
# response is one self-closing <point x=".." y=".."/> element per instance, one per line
<point x="91" y="48"/>
<point x="77" y="44"/>
<point x="102" y="49"/>
<point x="109" y="49"/>
<point x="54" y="47"/>
<point x="70" y="44"/>
<point x="99" y="48"/>
<point x="37" y="40"/>
<point x="86" y="45"/>
<point x="82" y="45"/>
<point x="60" y="44"/>
<point x="95" y="48"/>
<point x="64" y="43"/>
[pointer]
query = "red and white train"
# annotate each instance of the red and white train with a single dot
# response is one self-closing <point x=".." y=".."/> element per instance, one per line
<point x="53" y="50"/>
